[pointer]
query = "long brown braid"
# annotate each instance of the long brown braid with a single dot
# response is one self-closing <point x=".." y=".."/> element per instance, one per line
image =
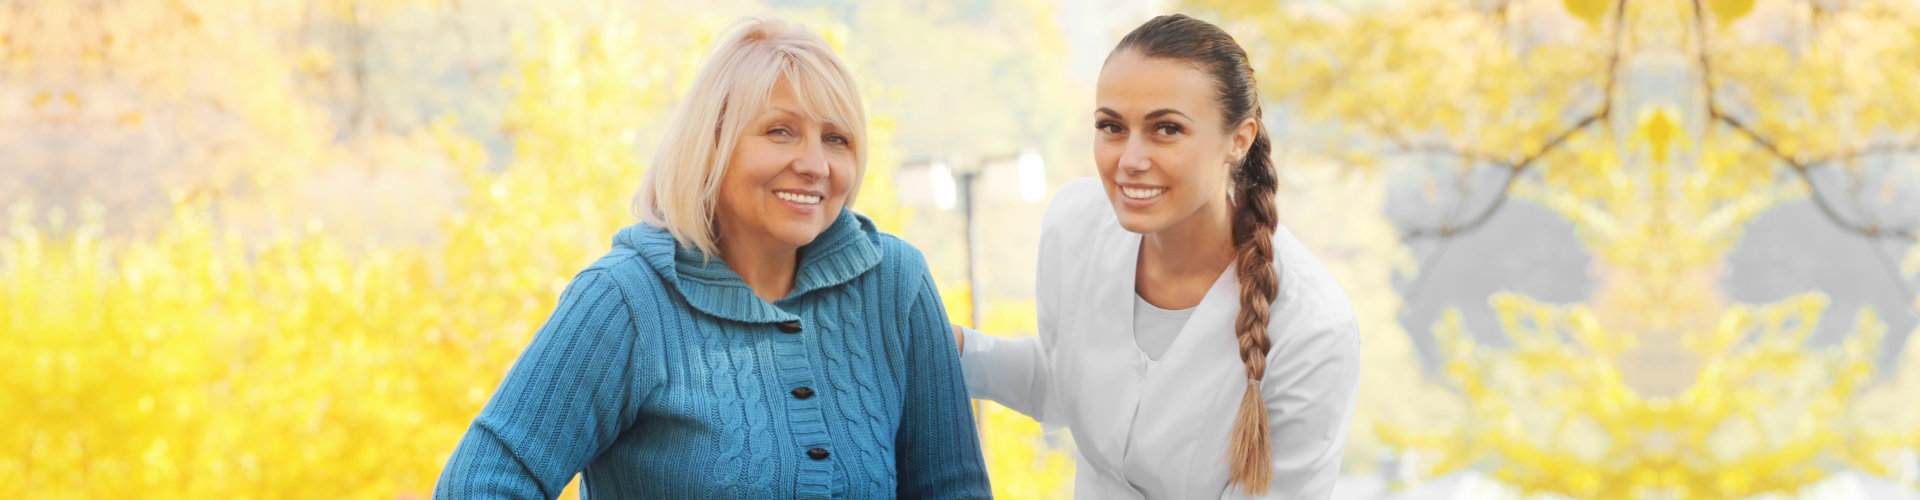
<point x="1249" y="451"/>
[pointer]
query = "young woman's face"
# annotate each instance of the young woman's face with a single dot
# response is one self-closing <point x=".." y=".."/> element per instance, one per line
<point x="788" y="176"/>
<point x="1159" y="142"/>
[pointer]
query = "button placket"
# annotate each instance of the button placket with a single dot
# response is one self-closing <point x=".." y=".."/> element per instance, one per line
<point x="806" y="418"/>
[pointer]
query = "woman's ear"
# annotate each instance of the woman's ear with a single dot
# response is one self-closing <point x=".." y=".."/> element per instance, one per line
<point x="1242" y="139"/>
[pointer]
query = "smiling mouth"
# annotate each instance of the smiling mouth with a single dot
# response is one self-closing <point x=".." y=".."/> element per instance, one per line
<point x="801" y="198"/>
<point x="1142" y="193"/>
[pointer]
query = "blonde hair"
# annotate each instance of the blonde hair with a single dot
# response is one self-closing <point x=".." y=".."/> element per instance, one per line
<point x="679" y="189"/>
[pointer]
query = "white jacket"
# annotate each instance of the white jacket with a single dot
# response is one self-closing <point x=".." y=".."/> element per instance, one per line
<point x="1159" y="429"/>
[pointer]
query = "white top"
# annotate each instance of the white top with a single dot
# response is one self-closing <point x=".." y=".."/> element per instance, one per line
<point x="1158" y="429"/>
<point x="1154" y="328"/>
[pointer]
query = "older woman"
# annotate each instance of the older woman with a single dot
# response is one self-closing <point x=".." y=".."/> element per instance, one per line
<point x="752" y="337"/>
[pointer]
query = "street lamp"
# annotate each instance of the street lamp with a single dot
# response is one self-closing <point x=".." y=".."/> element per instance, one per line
<point x="997" y="178"/>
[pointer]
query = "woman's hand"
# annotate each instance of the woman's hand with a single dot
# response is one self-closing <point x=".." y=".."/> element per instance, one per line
<point x="959" y="339"/>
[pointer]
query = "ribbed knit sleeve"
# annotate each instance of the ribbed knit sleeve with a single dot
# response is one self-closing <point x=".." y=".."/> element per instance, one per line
<point x="938" y="450"/>
<point x="566" y="399"/>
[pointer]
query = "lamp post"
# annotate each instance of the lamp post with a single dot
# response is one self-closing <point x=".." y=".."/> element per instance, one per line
<point x="998" y="178"/>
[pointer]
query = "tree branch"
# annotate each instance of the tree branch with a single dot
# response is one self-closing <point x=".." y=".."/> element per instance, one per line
<point x="1910" y="147"/>
<point x="1800" y="165"/>
<point x="1515" y="167"/>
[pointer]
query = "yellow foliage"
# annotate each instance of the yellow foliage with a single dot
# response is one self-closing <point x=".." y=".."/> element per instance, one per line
<point x="1729" y="11"/>
<point x="1587" y="10"/>
<point x="1659" y="132"/>
<point x="1556" y="416"/>
<point x="194" y="364"/>
<point x="1636" y="392"/>
<point x="1020" y="460"/>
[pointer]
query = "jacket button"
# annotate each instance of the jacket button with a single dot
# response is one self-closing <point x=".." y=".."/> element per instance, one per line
<point x="817" y="454"/>
<point x="789" y="326"/>
<point x="803" y="393"/>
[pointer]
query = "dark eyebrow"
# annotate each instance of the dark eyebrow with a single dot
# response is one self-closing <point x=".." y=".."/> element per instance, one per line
<point x="1166" y="111"/>
<point x="1155" y="114"/>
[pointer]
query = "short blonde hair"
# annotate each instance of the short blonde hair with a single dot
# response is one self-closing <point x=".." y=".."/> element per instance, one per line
<point x="679" y="190"/>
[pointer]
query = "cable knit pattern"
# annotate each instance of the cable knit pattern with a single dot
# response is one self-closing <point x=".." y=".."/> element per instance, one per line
<point x="661" y="375"/>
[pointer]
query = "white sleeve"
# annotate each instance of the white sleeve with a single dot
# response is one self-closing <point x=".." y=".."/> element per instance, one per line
<point x="1309" y="388"/>
<point x="1009" y="371"/>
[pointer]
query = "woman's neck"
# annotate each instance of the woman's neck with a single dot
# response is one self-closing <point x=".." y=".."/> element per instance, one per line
<point x="1180" y="263"/>
<point x="765" y="266"/>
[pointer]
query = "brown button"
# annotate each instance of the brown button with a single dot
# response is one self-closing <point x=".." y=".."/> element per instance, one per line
<point x="789" y="326"/>
<point x="803" y="393"/>
<point x="817" y="454"/>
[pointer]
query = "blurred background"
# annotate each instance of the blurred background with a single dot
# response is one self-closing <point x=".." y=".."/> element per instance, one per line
<point x="1598" y="248"/>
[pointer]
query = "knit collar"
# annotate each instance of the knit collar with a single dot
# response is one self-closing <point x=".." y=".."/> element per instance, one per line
<point x="842" y="252"/>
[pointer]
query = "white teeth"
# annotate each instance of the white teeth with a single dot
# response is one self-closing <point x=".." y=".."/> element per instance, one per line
<point x="1140" y="193"/>
<point x="804" y="199"/>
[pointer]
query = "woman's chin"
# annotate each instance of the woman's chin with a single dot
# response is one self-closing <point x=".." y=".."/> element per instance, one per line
<point x="797" y="234"/>
<point x="1140" y="223"/>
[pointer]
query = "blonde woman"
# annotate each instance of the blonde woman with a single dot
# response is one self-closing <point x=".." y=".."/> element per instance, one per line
<point x="1191" y="344"/>
<point x="752" y="337"/>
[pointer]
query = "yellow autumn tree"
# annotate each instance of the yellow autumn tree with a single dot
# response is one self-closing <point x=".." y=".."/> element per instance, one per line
<point x="194" y="363"/>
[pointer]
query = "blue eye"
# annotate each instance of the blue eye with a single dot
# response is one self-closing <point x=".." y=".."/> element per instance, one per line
<point x="839" y="140"/>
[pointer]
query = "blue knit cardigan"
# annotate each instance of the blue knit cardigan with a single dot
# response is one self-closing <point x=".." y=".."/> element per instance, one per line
<point x="661" y="375"/>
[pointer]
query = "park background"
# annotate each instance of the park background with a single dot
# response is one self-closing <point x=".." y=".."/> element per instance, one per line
<point x="1598" y="248"/>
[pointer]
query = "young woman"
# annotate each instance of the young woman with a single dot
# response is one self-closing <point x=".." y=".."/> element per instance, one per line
<point x="1193" y="346"/>
<point x="752" y="338"/>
